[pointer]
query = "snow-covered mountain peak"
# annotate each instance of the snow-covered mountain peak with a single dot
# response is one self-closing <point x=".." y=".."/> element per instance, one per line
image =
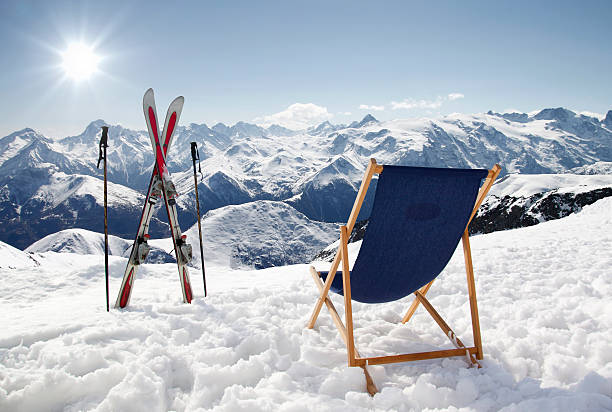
<point x="325" y="128"/>
<point x="513" y="117"/>
<point x="243" y="129"/>
<point x="260" y="234"/>
<point x="277" y="130"/>
<point x="94" y="127"/>
<point x="91" y="134"/>
<point x="16" y="142"/>
<point x="558" y="113"/>
<point x="22" y="137"/>
<point x="367" y="120"/>
<point x="221" y="128"/>
<point x="24" y="133"/>
<point x="608" y="120"/>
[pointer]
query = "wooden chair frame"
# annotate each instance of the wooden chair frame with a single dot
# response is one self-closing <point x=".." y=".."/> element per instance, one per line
<point x="472" y="353"/>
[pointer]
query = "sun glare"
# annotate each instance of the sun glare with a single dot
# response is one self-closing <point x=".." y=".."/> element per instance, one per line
<point x="79" y="61"/>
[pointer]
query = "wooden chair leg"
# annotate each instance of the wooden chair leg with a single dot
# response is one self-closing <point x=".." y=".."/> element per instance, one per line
<point x="444" y="326"/>
<point x="370" y="385"/>
<point x="416" y="302"/>
<point x="467" y="253"/>
<point x="328" y="282"/>
<point x="330" y="306"/>
<point x="348" y="307"/>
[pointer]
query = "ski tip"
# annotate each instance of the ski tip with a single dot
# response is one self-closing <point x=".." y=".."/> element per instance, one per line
<point x="148" y="96"/>
<point x="179" y="100"/>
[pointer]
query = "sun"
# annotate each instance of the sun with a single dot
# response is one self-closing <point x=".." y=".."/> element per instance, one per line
<point x="79" y="61"/>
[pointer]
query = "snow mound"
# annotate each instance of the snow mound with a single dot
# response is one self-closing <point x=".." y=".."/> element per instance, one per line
<point x="11" y="258"/>
<point x="79" y="241"/>
<point x="86" y="242"/>
<point x="259" y="234"/>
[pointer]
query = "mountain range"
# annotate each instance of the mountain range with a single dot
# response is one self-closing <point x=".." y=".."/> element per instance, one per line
<point x="47" y="185"/>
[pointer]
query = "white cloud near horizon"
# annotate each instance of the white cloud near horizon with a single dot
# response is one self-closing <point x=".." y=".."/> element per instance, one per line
<point x="371" y="107"/>
<point x="411" y="103"/>
<point x="416" y="104"/>
<point x="297" y="116"/>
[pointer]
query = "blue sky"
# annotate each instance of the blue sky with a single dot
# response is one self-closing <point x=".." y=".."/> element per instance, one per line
<point x="255" y="61"/>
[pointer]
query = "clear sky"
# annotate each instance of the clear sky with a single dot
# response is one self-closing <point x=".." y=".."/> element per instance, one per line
<point x="254" y="60"/>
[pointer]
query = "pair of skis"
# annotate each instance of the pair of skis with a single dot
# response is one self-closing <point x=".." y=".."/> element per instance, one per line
<point x="160" y="186"/>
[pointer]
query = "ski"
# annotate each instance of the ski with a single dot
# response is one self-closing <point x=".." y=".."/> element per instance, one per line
<point x="140" y="247"/>
<point x="182" y="249"/>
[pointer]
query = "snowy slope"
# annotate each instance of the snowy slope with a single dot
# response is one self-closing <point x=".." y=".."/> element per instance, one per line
<point x="86" y="242"/>
<point x="526" y="200"/>
<point x="259" y="234"/>
<point x="61" y="200"/>
<point x="545" y="314"/>
<point x="62" y="188"/>
<point x="597" y="168"/>
<point x="11" y="258"/>
<point x="528" y="185"/>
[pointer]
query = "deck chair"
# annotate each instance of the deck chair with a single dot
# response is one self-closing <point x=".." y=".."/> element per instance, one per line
<point x="418" y="217"/>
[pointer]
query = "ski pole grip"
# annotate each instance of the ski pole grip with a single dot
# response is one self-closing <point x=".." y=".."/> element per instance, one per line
<point x="194" y="151"/>
<point x="104" y="138"/>
<point x="103" y="144"/>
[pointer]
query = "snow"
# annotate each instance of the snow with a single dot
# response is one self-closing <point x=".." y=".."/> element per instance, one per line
<point x="12" y="144"/>
<point x="79" y="241"/>
<point x="63" y="187"/>
<point x="13" y="258"/>
<point x="517" y="185"/>
<point x="597" y="168"/>
<point x="258" y="233"/>
<point x="248" y="235"/>
<point x="545" y="314"/>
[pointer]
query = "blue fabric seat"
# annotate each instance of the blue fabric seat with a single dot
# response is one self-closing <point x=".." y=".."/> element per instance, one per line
<point x="417" y="220"/>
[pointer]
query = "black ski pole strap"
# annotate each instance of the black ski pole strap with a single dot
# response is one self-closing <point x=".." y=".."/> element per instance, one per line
<point x="103" y="144"/>
<point x="195" y="155"/>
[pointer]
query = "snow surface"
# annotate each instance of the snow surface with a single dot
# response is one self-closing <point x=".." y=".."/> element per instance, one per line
<point x="545" y="313"/>
<point x="63" y="187"/>
<point x="12" y="258"/>
<point x="80" y="241"/>
<point x="597" y="168"/>
<point x="258" y="233"/>
<point x="86" y="242"/>
<point x="517" y="185"/>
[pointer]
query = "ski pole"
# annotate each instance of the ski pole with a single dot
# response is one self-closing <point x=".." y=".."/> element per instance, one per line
<point x="102" y="156"/>
<point x="196" y="156"/>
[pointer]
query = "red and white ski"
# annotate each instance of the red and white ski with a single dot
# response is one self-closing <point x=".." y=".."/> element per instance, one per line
<point x="160" y="185"/>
